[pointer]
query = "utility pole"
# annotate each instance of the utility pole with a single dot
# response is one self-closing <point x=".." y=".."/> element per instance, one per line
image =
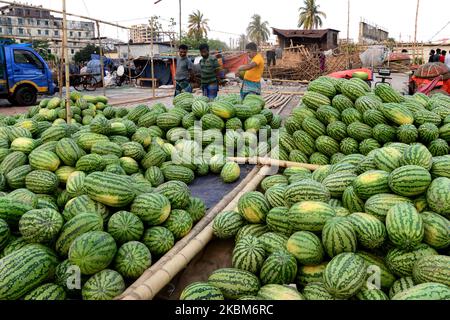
<point x="151" y="57"/>
<point x="348" y="33"/>
<point x="180" y="18"/>
<point x="66" y="63"/>
<point x="415" y="31"/>
<point x="102" y="66"/>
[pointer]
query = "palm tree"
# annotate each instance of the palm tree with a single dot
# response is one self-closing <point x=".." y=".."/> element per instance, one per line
<point x="310" y="16"/>
<point x="257" y="30"/>
<point x="198" y="25"/>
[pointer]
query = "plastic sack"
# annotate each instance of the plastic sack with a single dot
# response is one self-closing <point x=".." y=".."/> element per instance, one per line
<point x="374" y="56"/>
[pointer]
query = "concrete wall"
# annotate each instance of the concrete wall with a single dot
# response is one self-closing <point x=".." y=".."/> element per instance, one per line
<point x="141" y="50"/>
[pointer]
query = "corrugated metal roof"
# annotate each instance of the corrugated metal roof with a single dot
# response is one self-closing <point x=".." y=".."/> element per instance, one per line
<point x="296" y="33"/>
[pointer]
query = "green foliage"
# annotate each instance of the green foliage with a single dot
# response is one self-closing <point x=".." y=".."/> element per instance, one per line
<point x="85" y="53"/>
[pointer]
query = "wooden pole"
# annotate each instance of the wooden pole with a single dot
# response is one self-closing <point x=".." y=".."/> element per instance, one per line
<point x="273" y="162"/>
<point x="180" y="18"/>
<point x="151" y="57"/>
<point x="129" y="59"/>
<point x="102" y="67"/>
<point x="66" y="63"/>
<point x="348" y="34"/>
<point x="415" y="31"/>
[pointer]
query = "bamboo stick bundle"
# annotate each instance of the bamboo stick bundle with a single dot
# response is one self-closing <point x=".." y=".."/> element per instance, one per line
<point x="273" y="162"/>
<point x="146" y="288"/>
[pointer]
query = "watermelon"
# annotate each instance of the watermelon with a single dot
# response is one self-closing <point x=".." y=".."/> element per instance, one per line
<point x="179" y="223"/>
<point x="104" y="285"/>
<point x="401" y="262"/>
<point x="125" y="226"/>
<point x="314" y="100"/>
<point x="336" y="183"/>
<point x="425" y="291"/>
<point x="371" y="294"/>
<point x="401" y="285"/>
<point x="306" y="190"/>
<point x="46" y="292"/>
<point x="132" y="259"/>
<point x="24" y="270"/>
<point x="387" y="159"/>
<point x="310" y="215"/>
<point x="370" y="231"/>
<point x="435" y="268"/>
<point x="158" y="240"/>
<point x="404" y="226"/>
<point x="388" y="94"/>
<point x="254" y="207"/>
<point x="92" y="252"/>
<point x="371" y="183"/>
<point x="230" y="172"/>
<point x="152" y="208"/>
<point x="310" y="274"/>
<point x="273" y="242"/>
<point x="249" y="255"/>
<point x="12" y="210"/>
<point x="436" y="230"/>
<point x="407" y="133"/>
<point x="379" y="204"/>
<point x="279" y="292"/>
<point x="279" y="268"/>
<point x="338" y="236"/>
<point x="344" y="275"/>
<point x="386" y="277"/>
<point x="438" y="196"/>
<point x="5" y="234"/>
<point x="177" y="192"/>
<point x="227" y="224"/>
<point x="110" y="189"/>
<point x="234" y="283"/>
<point x="409" y="180"/>
<point x="201" y="291"/>
<point x="316" y="291"/>
<point x="306" y="247"/>
<point x="40" y="225"/>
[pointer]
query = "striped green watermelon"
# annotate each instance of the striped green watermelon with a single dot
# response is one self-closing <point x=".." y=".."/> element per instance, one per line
<point x="344" y="275"/>
<point x="278" y="220"/>
<point x="279" y="268"/>
<point x="108" y="188"/>
<point x="46" y="292"/>
<point x="179" y="223"/>
<point x="401" y="262"/>
<point x="336" y="183"/>
<point x="230" y="172"/>
<point x="12" y="161"/>
<point x="379" y="204"/>
<point x="304" y="142"/>
<point x="384" y="133"/>
<point x="409" y="180"/>
<point x="314" y="100"/>
<point x="339" y="235"/>
<point x="386" y="277"/>
<point x="93" y="251"/>
<point x="404" y="226"/>
<point x="132" y="259"/>
<point x="388" y="94"/>
<point x="436" y="230"/>
<point x="152" y="208"/>
<point x="12" y="210"/>
<point x="234" y="283"/>
<point x="310" y="215"/>
<point x="125" y="226"/>
<point x="306" y="247"/>
<point x="435" y="268"/>
<point x="104" y="285"/>
<point x="425" y="291"/>
<point x="177" y="192"/>
<point x="306" y="190"/>
<point x="40" y="225"/>
<point x="255" y="230"/>
<point x="249" y="254"/>
<point x="351" y="115"/>
<point x="90" y="163"/>
<point x="279" y="292"/>
<point x="24" y="270"/>
<point x="438" y="196"/>
<point x="407" y="133"/>
<point x="400" y="285"/>
<point x="196" y="208"/>
<point x="371" y="183"/>
<point x="387" y="159"/>
<point x="316" y="291"/>
<point x="227" y="224"/>
<point x="5" y="234"/>
<point x="371" y="294"/>
<point x="158" y="240"/>
<point x="341" y="102"/>
<point x="253" y="206"/>
<point x="439" y="147"/>
<point x="201" y="291"/>
<point x="310" y="274"/>
<point x="417" y="154"/>
<point x="314" y="127"/>
<point x="273" y="241"/>
<point x="41" y="181"/>
<point x="370" y="231"/>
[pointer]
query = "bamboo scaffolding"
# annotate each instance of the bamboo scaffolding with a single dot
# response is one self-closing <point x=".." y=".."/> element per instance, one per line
<point x="273" y="162"/>
<point x="161" y="273"/>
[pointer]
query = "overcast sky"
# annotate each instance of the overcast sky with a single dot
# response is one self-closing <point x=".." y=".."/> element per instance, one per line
<point x="229" y="18"/>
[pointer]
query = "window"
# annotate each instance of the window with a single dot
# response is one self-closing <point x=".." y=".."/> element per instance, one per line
<point x="79" y="34"/>
<point x="21" y="31"/>
<point x="9" y="21"/>
<point x="1" y="30"/>
<point x="46" y="22"/>
<point x="335" y="38"/>
<point x="56" y="33"/>
<point x="46" y="32"/>
<point x="28" y="12"/>
<point x="38" y="22"/>
<point x="72" y="51"/>
<point x="87" y="34"/>
<point x="71" y="33"/>
<point x="26" y="57"/>
<point x="29" y="21"/>
<point x="39" y="31"/>
<point x="20" y="21"/>
<point x="10" y="30"/>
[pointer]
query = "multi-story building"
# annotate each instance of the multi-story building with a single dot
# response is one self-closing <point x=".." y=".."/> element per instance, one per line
<point x="142" y="33"/>
<point x="26" y="23"/>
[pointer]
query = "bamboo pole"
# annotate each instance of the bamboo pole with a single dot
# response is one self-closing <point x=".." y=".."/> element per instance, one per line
<point x="273" y="162"/>
<point x="129" y="61"/>
<point x="159" y="275"/>
<point x="128" y="102"/>
<point x="66" y="63"/>
<point x="102" y="66"/>
<point x="348" y="34"/>
<point x="415" y="31"/>
<point x="152" y="62"/>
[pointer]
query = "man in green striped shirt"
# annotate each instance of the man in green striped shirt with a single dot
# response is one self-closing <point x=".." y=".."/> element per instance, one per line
<point x="210" y="68"/>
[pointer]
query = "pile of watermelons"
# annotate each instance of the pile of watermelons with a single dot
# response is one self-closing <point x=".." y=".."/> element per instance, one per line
<point x="372" y="223"/>
<point x="102" y="197"/>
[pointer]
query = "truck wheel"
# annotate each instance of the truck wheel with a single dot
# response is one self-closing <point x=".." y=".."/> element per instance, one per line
<point x="25" y="96"/>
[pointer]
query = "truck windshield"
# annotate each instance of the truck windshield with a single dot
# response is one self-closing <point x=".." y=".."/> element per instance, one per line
<point x="27" y="57"/>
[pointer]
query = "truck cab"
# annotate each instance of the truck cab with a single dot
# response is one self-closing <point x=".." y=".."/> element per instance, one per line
<point x="24" y="74"/>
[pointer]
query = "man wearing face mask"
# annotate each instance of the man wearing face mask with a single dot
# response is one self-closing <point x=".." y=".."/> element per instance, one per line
<point x="253" y="71"/>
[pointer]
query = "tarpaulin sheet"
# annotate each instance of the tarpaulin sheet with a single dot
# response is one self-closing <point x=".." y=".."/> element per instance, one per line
<point x="427" y="85"/>
<point x="347" y="74"/>
<point x="233" y="62"/>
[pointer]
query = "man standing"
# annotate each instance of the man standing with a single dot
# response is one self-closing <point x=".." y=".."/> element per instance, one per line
<point x="442" y="57"/>
<point x="437" y="56"/>
<point x="184" y="71"/>
<point x="279" y="53"/>
<point x="432" y="53"/>
<point x="210" y="69"/>
<point x="254" y="71"/>
<point x="447" y="60"/>
<point x="270" y="55"/>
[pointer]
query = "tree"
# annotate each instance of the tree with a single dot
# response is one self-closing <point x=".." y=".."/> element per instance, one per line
<point x="310" y="16"/>
<point x="43" y="48"/>
<point x="194" y="43"/>
<point x="85" y="53"/>
<point x="257" y="30"/>
<point x="198" y="25"/>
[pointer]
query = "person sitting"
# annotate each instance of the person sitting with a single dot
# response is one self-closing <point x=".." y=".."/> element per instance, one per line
<point x="254" y="71"/>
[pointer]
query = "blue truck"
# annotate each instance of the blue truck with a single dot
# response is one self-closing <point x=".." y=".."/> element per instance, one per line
<point x="23" y="74"/>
